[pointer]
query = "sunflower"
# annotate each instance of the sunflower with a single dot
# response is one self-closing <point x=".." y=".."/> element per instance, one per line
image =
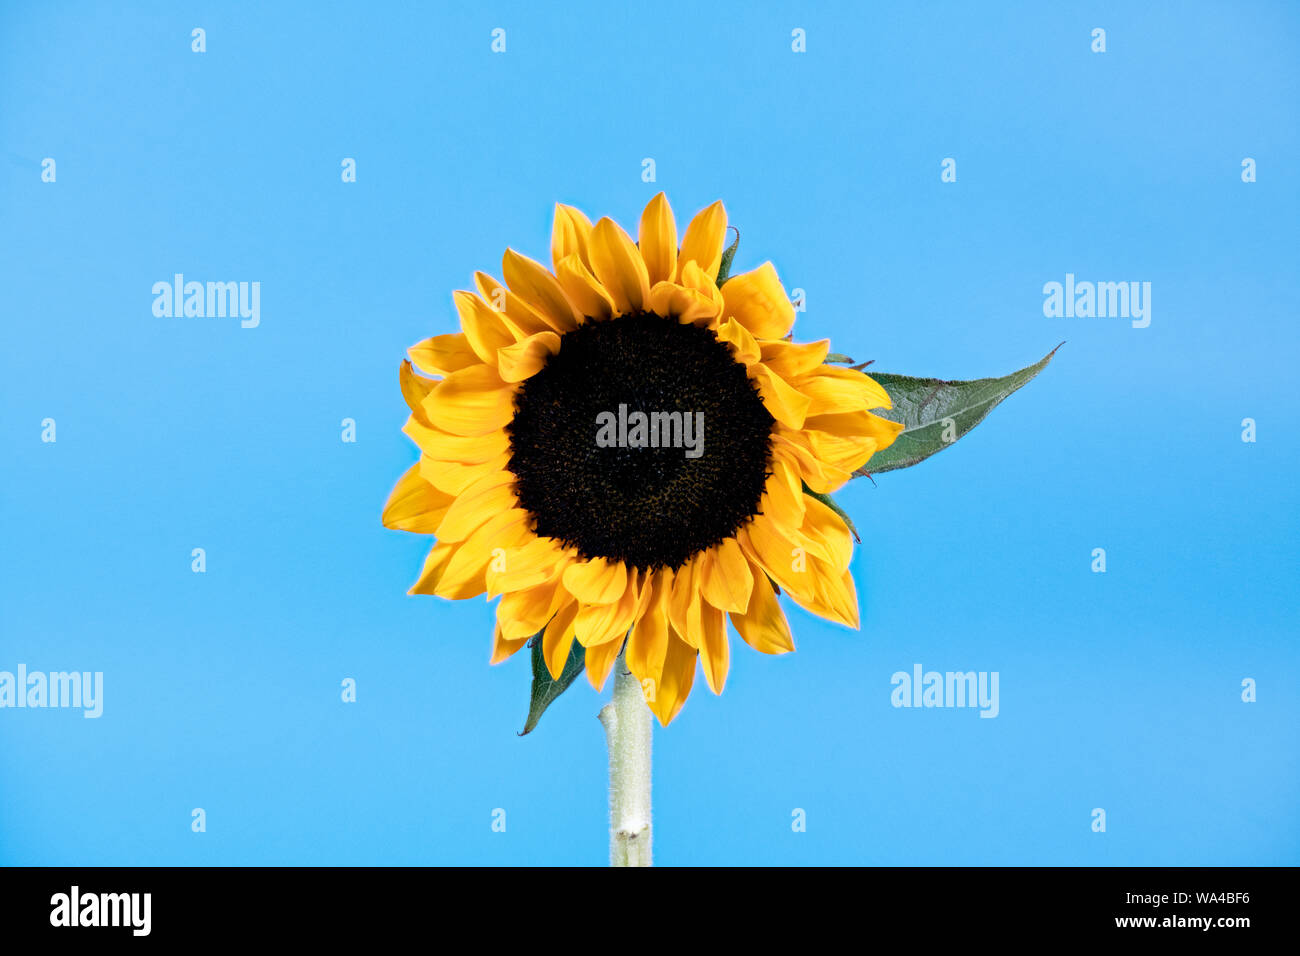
<point x="628" y="453"/>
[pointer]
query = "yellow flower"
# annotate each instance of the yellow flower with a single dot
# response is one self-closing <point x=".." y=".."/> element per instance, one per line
<point x="623" y="451"/>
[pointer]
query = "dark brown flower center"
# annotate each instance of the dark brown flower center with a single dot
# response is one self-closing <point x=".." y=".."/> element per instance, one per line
<point x="642" y="440"/>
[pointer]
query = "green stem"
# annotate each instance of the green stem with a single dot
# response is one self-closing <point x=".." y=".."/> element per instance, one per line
<point x="628" y="731"/>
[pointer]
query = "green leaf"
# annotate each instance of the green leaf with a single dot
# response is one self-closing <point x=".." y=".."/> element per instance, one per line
<point x="835" y="358"/>
<point x="728" y="254"/>
<point x="546" y="689"/>
<point x="926" y="406"/>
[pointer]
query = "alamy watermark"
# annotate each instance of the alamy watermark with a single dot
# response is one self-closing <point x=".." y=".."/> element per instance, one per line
<point x="1103" y="300"/>
<point x="651" y="430"/>
<point x="211" y="300"/>
<point x="80" y="689"/>
<point x="75" y="908"/>
<point x="946" y="689"/>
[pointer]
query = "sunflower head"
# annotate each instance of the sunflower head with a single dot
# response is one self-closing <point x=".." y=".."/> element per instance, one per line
<point x="629" y="453"/>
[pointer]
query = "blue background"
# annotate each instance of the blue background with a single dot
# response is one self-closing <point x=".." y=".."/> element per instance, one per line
<point x="1118" y="690"/>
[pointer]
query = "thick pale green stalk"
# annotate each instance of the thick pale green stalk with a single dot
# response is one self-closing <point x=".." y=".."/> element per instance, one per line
<point x="628" y="730"/>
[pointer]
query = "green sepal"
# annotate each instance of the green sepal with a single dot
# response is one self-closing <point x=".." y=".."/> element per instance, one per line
<point x="728" y="254"/>
<point x="547" y="688"/>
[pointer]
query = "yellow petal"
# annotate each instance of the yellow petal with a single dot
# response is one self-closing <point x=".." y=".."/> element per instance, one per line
<point x="704" y="238"/>
<point x="810" y="582"/>
<point x="828" y="453"/>
<point x="571" y="235"/>
<point x="688" y="306"/>
<point x="784" y="502"/>
<point x="783" y="403"/>
<point x="557" y="639"/>
<point x="725" y="578"/>
<point x="854" y="424"/>
<point x="541" y="290"/>
<point x="503" y="648"/>
<point x="823" y="525"/>
<point x="793" y="359"/>
<point x="435" y="564"/>
<point x="485" y="330"/>
<point x="415" y="390"/>
<point x="684" y="603"/>
<point x="757" y="300"/>
<point x="464" y="576"/>
<point x="795" y="447"/>
<point x="668" y="692"/>
<point x="832" y="390"/>
<point x="692" y="276"/>
<point x="488" y="496"/>
<point x="528" y="565"/>
<point x="742" y="343"/>
<point x="599" y="623"/>
<point x="525" y="358"/>
<point x="785" y="562"/>
<point x="835" y="451"/>
<point x="415" y="505"/>
<point x="600" y="661"/>
<point x="648" y="642"/>
<point x="658" y="240"/>
<point x="793" y="533"/>
<point x="619" y="267"/>
<point x="473" y="401"/>
<point x="763" y="625"/>
<point x="715" y="653"/>
<point x="584" y="289"/>
<point x="645" y="579"/>
<point x="520" y="317"/>
<point x="453" y="477"/>
<point x="444" y="446"/>
<point x="443" y="354"/>
<point x="837" y="598"/>
<point x="596" y="581"/>
<point x="522" y="614"/>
